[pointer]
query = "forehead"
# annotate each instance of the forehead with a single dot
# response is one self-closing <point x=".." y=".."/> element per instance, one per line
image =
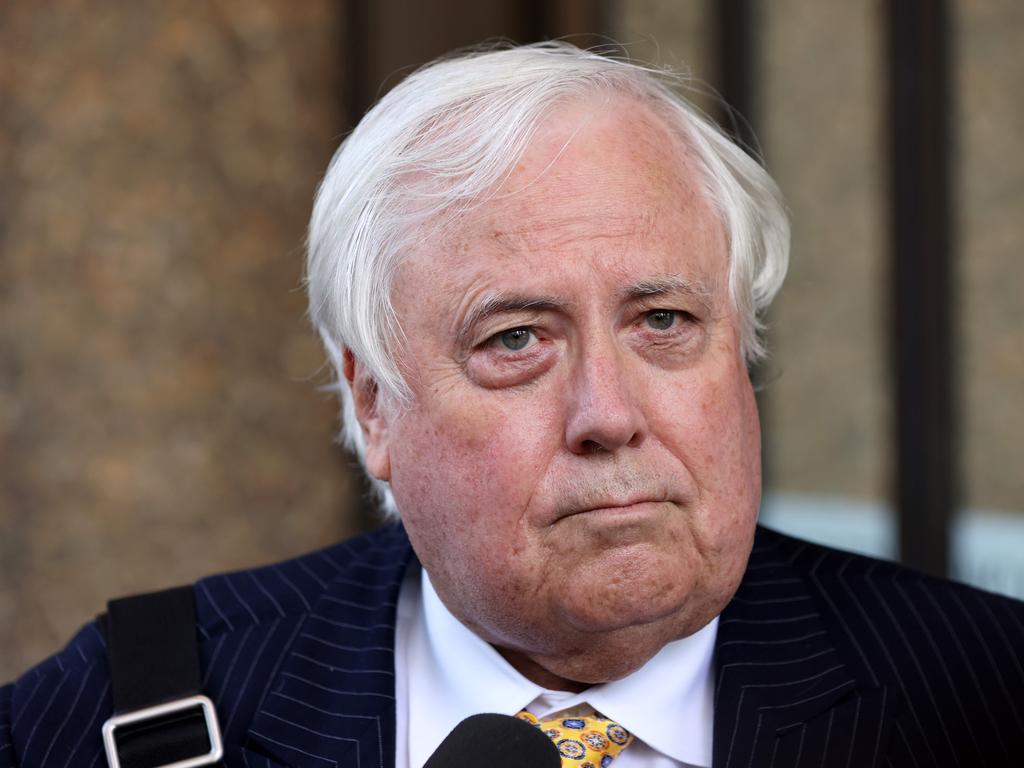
<point x="605" y="190"/>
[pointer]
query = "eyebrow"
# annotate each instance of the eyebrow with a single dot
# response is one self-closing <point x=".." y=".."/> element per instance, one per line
<point x="669" y="285"/>
<point x="500" y="303"/>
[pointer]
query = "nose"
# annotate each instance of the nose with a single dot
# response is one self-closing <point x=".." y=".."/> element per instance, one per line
<point x="604" y="412"/>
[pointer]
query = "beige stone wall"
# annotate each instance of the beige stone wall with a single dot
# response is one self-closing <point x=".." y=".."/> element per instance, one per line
<point x="990" y="192"/>
<point x="159" y="410"/>
<point x="821" y="124"/>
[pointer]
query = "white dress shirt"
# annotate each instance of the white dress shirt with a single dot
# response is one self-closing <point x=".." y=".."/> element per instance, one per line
<point x="445" y="673"/>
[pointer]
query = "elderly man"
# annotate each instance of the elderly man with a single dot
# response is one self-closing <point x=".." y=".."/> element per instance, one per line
<point x="539" y="275"/>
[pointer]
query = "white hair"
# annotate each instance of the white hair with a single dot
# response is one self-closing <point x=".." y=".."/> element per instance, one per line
<point x="443" y="139"/>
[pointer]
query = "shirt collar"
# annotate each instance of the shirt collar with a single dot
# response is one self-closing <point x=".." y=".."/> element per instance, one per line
<point x="457" y="675"/>
<point x="676" y="719"/>
<point x="462" y="675"/>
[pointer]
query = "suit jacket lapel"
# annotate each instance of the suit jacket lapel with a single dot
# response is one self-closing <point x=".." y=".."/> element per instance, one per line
<point x="785" y="694"/>
<point x="332" y="702"/>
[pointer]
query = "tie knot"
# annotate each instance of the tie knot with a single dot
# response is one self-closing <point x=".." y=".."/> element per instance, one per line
<point x="583" y="741"/>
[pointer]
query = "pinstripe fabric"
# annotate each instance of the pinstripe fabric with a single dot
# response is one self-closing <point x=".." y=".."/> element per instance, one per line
<point x="830" y="659"/>
<point x="823" y="659"/>
<point x="297" y="656"/>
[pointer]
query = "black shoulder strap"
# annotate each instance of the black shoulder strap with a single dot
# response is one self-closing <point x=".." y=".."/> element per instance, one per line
<point x="152" y="648"/>
<point x="153" y="653"/>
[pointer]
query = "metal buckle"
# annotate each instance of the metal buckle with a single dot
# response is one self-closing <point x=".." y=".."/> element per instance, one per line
<point x="160" y="710"/>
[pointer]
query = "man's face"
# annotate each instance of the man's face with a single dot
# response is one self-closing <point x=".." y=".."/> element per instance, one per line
<point x="579" y="470"/>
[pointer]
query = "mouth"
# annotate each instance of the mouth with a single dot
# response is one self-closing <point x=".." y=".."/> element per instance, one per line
<point x="618" y="511"/>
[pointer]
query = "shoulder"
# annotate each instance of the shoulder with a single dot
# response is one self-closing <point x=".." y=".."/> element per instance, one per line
<point x="62" y="695"/>
<point x="235" y="602"/>
<point x="954" y="653"/>
<point x="52" y="715"/>
<point x="881" y="596"/>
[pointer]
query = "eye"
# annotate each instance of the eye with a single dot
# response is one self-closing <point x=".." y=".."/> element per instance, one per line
<point x="661" y="319"/>
<point x="515" y="339"/>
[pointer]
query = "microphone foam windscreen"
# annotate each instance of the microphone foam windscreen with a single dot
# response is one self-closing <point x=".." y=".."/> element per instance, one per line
<point x="497" y="741"/>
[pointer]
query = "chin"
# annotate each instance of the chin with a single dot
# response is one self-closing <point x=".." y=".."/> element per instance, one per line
<point x="642" y="609"/>
<point x="609" y="617"/>
<point x="633" y="585"/>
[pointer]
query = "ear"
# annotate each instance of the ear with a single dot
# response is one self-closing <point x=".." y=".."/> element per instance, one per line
<point x="365" y="398"/>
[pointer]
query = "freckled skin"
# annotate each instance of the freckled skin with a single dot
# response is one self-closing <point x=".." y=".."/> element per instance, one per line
<point x="584" y="501"/>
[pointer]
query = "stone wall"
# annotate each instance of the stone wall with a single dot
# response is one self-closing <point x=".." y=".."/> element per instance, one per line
<point x="827" y="399"/>
<point x="990" y="196"/>
<point x="160" y="416"/>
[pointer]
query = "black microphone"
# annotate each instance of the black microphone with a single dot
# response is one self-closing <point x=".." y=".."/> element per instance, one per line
<point x="497" y="741"/>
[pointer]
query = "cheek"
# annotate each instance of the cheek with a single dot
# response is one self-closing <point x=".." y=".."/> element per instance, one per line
<point x="716" y="433"/>
<point x="464" y="478"/>
<point x="464" y="463"/>
<point x="708" y="423"/>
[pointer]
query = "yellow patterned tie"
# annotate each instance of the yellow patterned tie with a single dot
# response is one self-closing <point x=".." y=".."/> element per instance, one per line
<point x="587" y="741"/>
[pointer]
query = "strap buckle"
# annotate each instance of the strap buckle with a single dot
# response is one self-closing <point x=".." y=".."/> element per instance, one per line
<point x="152" y="715"/>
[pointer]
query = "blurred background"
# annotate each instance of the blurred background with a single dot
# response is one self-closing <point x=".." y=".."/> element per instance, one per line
<point x="161" y="415"/>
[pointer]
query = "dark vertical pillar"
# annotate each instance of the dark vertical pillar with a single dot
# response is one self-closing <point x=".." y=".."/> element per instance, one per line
<point x="581" y="22"/>
<point x="359" y="32"/>
<point x="736" y="54"/>
<point x="386" y="39"/>
<point x="734" y="23"/>
<point x="922" y="311"/>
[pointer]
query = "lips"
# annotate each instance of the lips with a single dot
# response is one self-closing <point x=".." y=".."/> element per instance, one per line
<point x="613" y="507"/>
<point x="628" y="489"/>
<point x="621" y="504"/>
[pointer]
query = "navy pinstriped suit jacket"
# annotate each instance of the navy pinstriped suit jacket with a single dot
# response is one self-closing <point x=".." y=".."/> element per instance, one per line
<point x="823" y="659"/>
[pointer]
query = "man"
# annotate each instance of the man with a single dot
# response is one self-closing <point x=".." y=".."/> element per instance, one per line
<point x="539" y="275"/>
